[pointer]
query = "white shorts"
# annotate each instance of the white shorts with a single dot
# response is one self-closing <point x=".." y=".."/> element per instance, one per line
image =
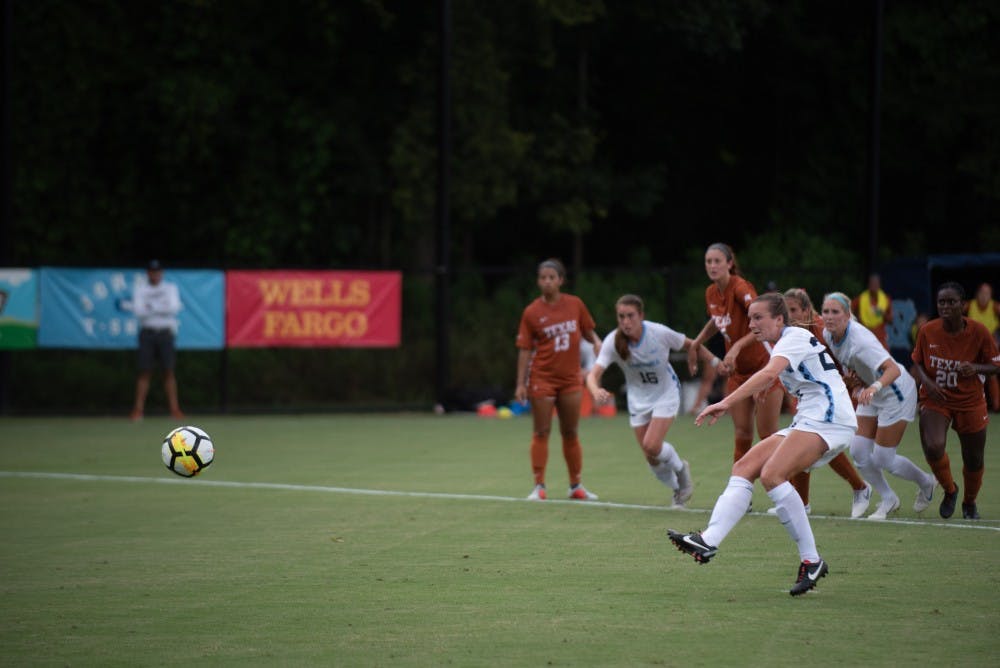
<point x="891" y="410"/>
<point x="665" y="407"/>
<point x="836" y="436"/>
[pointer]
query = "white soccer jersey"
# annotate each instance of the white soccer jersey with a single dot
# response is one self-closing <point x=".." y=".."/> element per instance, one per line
<point x="812" y="377"/>
<point x="648" y="373"/>
<point x="863" y="353"/>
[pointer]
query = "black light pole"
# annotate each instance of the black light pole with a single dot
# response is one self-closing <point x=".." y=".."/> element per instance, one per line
<point x="875" y="135"/>
<point x="6" y="179"/>
<point x="442" y="272"/>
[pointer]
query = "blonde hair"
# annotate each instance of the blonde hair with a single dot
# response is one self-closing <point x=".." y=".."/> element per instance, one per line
<point x="840" y="297"/>
<point x="802" y="297"/>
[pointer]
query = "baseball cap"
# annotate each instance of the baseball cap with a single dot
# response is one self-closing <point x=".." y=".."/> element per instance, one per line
<point x="154" y="265"/>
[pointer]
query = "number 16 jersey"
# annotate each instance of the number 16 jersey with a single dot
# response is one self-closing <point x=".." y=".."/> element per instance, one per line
<point x="648" y="373"/>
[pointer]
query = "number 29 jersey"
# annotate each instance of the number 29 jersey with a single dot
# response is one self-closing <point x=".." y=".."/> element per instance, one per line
<point x="812" y="377"/>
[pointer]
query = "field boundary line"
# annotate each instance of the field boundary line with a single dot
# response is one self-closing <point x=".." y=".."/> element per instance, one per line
<point x="288" y="487"/>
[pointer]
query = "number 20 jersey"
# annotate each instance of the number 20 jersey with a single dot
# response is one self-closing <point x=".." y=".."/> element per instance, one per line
<point x="939" y="353"/>
<point x="812" y="377"/>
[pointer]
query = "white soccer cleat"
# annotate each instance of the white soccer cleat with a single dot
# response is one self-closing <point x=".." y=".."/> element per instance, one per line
<point x="887" y="505"/>
<point x="537" y="494"/>
<point x="580" y="493"/>
<point x="925" y="495"/>
<point x="861" y="500"/>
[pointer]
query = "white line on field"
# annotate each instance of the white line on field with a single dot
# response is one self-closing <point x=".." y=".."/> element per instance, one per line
<point x="202" y="482"/>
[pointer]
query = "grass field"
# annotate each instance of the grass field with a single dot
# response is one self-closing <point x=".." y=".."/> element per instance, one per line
<point x="404" y="540"/>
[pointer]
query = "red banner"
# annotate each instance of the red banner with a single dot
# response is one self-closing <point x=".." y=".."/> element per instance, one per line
<point x="281" y="309"/>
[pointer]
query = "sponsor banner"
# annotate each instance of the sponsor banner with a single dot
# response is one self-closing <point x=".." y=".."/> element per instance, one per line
<point x="313" y="308"/>
<point x="18" y="309"/>
<point x="91" y="308"/>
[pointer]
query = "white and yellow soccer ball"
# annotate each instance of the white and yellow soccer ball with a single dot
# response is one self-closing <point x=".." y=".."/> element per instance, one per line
<point x="187" y="451"/>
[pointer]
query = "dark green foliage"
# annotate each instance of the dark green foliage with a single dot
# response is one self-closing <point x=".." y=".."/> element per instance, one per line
<point x="217" y="133"/>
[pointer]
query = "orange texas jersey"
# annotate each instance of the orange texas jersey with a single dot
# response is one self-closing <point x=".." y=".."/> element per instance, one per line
<point x="729" y="311"/>
<point x="554" y="332"/>
<point x="939" y="353"/>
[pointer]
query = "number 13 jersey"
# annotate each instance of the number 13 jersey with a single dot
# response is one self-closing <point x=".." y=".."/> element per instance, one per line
<point x="553" y="331"/>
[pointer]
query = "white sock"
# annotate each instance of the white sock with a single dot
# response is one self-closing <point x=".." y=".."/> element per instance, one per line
<point x="668" y="455"/>
<point x="665" y="475"/>
<point x="862" y="451"/>
<point x="792" y="514"/>
<point x="885" y="457"/>
<point x="729" y="509"/>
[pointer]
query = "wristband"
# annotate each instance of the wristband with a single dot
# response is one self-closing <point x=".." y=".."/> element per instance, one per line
<point x="877" y="385"/>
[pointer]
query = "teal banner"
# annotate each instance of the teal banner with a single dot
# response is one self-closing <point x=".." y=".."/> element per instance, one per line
<point x="91" y="308"/>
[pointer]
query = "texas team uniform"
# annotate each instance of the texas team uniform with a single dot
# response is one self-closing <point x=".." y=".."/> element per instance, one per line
<point x="862" y="352"/>
<point x="728" y="309"/>
<point x="653" y="386"/>
<point x="553" y="332"/>
<point x="939" y="353"/>
<point x="824" y="405"/>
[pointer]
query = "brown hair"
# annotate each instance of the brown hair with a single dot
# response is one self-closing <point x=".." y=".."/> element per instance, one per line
<point x="621" y="341"/>
<point x="775" y="304"/>
<point x="802" y="297"/>
<point x="553" y="263"/>
<point x="726" y="250"/>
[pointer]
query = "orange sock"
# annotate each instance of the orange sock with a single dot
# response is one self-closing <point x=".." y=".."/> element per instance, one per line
<point x="942" y="471"/>
<point x="973" y="482"/>
<point x="742" y="447"/>
<point x="574" y="458"/>
<point x="842" y="466"/>
<point x="800" y="481"/>
<point x="539" y="457"/>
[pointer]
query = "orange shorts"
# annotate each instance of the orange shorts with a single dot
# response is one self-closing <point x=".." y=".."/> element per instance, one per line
<point x="966" y="421"/>
<point x="540" y="388"/>
<point x="735" y="381"/>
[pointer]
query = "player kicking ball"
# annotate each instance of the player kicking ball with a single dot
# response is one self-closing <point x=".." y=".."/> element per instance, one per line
<point x="822" y="428"/>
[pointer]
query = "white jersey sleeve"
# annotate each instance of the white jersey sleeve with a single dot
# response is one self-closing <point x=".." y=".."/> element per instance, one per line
<point x="587" y="357"/>
<point x="608" y="354"/>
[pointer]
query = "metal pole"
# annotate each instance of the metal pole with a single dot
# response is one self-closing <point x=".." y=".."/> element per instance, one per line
<point x="7" y="177"/>
<point x="442" y="274"/>
<point x="875" y="136"/>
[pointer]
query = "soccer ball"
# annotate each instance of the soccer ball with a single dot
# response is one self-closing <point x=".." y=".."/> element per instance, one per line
<point x="187" y="451"/>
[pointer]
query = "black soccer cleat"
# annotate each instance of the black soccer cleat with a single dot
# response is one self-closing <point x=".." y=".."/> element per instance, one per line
<point x="693" y="544"/>
<point x="970" y="511"/>
<point x="809" y="575"/>
<point x="947" y="508"/>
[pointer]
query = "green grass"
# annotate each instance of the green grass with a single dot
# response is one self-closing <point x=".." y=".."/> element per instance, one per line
<point x="140" y="567"/>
